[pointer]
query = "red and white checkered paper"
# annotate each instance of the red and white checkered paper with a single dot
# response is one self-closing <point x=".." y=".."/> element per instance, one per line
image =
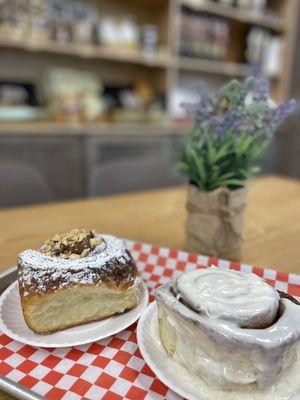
<point x="113" y="368"/>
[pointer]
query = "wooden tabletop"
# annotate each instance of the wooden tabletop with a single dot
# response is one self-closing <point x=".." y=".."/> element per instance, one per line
<point x="272" y="232"/>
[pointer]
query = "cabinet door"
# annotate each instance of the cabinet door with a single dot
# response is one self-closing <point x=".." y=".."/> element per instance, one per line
<point x="56" y="159"/>
<point x="126" y="163"/>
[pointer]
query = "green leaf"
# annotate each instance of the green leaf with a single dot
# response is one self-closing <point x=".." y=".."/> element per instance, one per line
<point x="223" y="151"/>
<point x="225" y="176"/>
<point x="258" y="151"/>
<point x="255" y="170"/>
<point x="211" y="152"/>
<point x="214" y="175"/>
<point x="233" y="182"/>
<point x="182" y="166"/>
<point x="243" y="144"/>
<point x="200" y="167"/>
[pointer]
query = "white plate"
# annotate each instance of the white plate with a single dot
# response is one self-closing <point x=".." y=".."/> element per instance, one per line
<point x="13" y="324"/>
<point x="155" y="356"/>
<point x="172" y="374"/>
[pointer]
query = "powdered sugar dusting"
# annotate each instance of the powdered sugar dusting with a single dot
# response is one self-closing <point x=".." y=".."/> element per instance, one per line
<point x="38" y="271"/>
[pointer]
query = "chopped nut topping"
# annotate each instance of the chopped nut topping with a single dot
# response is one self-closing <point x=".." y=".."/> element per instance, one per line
<point x="95" y="241"/>
<point x="85" y="253"/>
<point x="75" y="244"/>
<point x="73" y="256"/>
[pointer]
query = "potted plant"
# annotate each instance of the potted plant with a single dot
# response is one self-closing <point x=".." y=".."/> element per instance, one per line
<point x="232" y="129"/>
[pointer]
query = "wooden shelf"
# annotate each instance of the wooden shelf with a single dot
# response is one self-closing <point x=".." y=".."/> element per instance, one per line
<point x="91" y="52"/>
<point x="110" y="54"/>
<point x="216" y="67"/>
<point x="100" y="128"/>
<point x="213" y="67"/>
<point x="245" y="16"/>
<point x="121" y="66"/>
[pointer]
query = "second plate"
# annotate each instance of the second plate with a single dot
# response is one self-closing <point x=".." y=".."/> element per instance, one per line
<point x="13" y="324"/>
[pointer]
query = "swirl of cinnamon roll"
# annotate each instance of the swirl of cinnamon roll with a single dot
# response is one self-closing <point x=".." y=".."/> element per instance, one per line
<point x="230" y="329"/>
<point x="244" y="299"/>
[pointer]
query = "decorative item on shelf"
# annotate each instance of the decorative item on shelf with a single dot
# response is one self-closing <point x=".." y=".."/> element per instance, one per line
<point x="41" y="21"/>
<point x="264" y="51"/>
<point x="247" y="4"/>
<point x="18" y="102"/>
<point x="259" y="5"/>
<point x="83" y="24"/>
<point x="149" y="39"/>
<point x="136" y="103"/>
<point x="44" y="22"/>
<point x="203" y="36"/>
<point x="272" y="60"/>
<point x="73" y="95"/>
<point x="227" y="2"/>
<point x="118" y="32"/>
<point x="139" y="103"/>
<point x="13" y="19"/>
<point x="232" y="130"/>
<point x="107" y="31"/>
<point x="256" y="39"/>
<point x="145" y="91"/>
<point x="129" y="32"/>
<point x="39" y="29"/>
<point x="72" y="21"/>
<point x="13" y="94"/>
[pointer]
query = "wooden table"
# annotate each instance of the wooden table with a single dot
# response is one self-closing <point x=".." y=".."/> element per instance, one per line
<point x="272" y="233"/>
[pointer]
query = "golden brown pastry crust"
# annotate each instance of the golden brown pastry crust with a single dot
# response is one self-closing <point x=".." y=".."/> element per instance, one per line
<point x="33" y="302"/>
<point x="109" y="268"/>
<point x="116" y="274"/>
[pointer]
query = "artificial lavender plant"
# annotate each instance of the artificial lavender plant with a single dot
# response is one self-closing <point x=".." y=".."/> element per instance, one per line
<point x="232" y="130"/>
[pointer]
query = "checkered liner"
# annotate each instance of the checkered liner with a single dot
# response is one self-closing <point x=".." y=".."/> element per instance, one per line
<point x="113" y="368"/>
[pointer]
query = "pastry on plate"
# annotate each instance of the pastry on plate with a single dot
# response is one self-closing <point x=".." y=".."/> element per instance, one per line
<point x="229" y="329"/>
<point x="74" y="278"/>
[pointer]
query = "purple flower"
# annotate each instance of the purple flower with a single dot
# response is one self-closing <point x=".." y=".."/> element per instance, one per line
<point x="215" y="120"/>
<point x="256" y="68"/>
<point x="261" y="89"/>
<point x="229" y="112"/>
<point x="202" y="110"/>
<point x="230" y="121"/>
<point x="190" y="108"/>
<point x="283" y="110"/>
<point x="238" y="122"/>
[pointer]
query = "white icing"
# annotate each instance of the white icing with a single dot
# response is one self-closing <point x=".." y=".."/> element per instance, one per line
<point x="286" y="387"/>
<point x="38" y="269"/>
<point x="220" y="351"/>
<point x="244" y="299"/>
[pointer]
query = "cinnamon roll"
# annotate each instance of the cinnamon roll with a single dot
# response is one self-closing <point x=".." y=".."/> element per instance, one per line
<point x="229" y="329"/>
<point x="75" y="278"/>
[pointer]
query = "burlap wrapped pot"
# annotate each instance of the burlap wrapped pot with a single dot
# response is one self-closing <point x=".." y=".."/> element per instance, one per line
<point x="215" y="222"/>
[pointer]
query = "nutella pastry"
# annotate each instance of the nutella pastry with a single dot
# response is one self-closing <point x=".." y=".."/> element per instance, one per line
<point x="75" y="278"/>
<point x="231" y="330"/>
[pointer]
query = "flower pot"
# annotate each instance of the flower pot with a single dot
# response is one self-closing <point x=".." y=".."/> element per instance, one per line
<point x="215" y="222"/>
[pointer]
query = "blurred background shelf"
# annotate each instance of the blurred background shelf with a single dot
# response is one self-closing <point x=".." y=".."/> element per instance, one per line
<point x="247" y="16"/>
<point x="134" y="57"/>
<point x="227" y="68"/>
<point x="90" y="52"/>
<point x="54" y="128"/>
<point x="90" y="91"/>
<point x="138" y="61"/>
